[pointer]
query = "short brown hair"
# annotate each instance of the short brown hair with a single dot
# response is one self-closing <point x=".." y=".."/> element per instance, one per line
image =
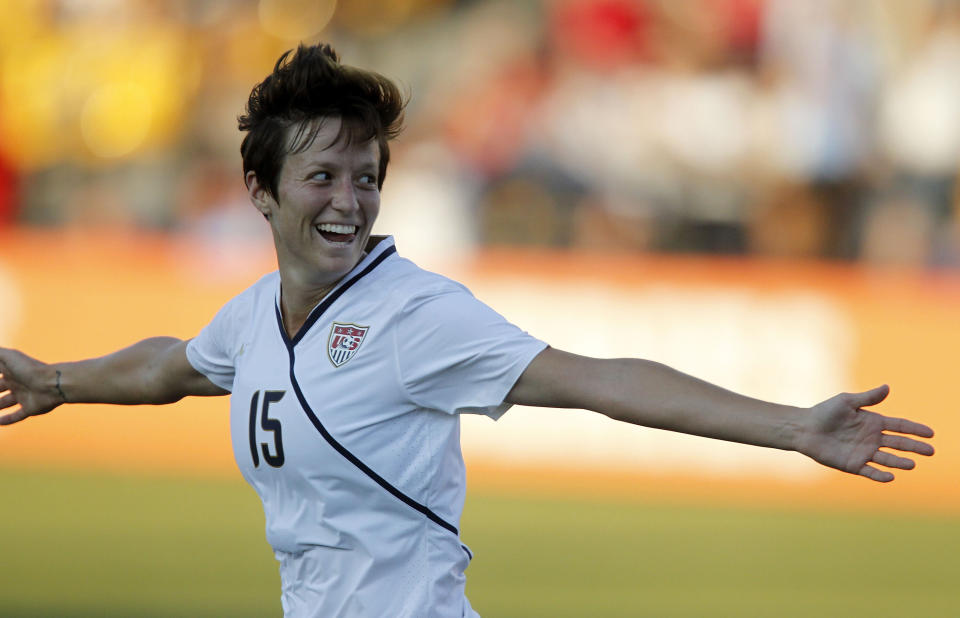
<point x="308" y="85"/>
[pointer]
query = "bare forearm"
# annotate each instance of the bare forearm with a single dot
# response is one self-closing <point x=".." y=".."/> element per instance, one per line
<point x="133" y="375"/>
<point x="647" y="393"/>
<point x="153" y="371"/>
<point x="658" y="396"/>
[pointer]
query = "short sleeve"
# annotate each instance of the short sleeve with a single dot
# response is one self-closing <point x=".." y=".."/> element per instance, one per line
<point x="213" y="351"/>
<point x="458" y="355"/>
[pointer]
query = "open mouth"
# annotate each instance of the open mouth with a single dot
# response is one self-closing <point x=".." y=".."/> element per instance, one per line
<point x="334" y="232"/>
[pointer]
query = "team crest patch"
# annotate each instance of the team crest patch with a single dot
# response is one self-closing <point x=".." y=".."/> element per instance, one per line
<point x="345" y="340"/>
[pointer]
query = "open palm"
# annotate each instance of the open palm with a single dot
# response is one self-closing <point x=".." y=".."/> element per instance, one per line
<point x="841" y="435"/>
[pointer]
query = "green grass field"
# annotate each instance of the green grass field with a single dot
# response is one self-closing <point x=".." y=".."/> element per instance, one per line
<point x="84" y="545"/>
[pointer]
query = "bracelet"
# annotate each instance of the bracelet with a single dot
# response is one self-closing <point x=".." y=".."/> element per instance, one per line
<point x="60" y="390"/>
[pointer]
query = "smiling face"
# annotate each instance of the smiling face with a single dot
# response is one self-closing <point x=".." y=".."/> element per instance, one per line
<point x="327" y="201"/>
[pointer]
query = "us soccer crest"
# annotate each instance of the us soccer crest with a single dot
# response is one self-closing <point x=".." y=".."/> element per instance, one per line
<point x="345" y="340"/>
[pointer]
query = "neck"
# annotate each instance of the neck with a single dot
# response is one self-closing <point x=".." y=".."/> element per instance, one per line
<point x="300" y="292"/>
<point x="297" y="303"/>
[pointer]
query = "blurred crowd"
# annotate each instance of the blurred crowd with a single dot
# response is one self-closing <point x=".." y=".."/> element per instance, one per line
<point x="824" y="129"/>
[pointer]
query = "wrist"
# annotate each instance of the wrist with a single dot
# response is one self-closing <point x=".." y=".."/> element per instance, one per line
<point x="58" y="388"/>
<point x="60" y="392"/>
<point x="791" y="432"/>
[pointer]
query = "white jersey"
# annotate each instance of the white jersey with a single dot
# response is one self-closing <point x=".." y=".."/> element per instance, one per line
<point x="349" y="431"/>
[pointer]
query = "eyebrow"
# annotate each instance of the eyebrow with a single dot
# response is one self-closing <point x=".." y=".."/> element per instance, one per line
<point x="334" y="164"/>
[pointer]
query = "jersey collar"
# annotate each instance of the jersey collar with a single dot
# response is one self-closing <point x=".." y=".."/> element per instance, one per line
<point x="378" y="249"/>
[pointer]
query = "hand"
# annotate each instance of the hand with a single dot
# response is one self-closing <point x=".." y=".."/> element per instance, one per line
<point x="838" y="433"/>
<point x="28" y="382"/>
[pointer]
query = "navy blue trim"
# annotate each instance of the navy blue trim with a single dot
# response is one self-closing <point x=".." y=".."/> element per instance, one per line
<point x="254" y="402"/>
<point x="283" y="329"/>
<point x="334" y="295"/>
<point x="467" y="551"/>
<point x="291" y="343"/>
<point x="359" y="464"/>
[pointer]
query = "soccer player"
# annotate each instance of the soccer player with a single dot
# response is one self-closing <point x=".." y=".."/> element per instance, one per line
<point x="348" y="369"/>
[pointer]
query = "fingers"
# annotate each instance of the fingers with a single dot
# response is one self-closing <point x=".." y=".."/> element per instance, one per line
<point x="902" y="443"/>
<point x="892" y="461"/>
<point x="881" y="476"/>
<point x="902" y="425"/>
<point x="14" y="417"/>
<point x="871" y="397"/>
<point x="7" y="400"/>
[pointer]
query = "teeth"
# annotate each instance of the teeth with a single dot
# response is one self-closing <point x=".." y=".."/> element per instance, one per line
<point x="337" y="229"/>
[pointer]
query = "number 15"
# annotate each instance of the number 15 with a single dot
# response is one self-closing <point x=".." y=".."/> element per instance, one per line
<point x="272" y="425"/>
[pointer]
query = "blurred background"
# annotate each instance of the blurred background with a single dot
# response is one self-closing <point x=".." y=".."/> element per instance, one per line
<point x="817" y="129"/>
<point x="759" y="192"/>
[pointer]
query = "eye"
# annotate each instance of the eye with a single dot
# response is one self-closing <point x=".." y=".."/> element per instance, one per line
<point x="321" y="176"/>
<point x="368" y="179"/>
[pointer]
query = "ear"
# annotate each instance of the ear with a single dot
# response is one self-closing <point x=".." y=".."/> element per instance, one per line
<point x="260" y="196"/>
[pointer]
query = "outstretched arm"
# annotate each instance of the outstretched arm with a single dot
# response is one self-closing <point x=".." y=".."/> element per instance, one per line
<point x="153" y="371"/>
<point x="837" y="432"/>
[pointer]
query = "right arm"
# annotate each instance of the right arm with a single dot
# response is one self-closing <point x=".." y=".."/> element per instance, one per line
<point x="153" y="371"/>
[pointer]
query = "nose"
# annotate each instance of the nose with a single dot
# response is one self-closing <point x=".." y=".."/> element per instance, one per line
<point x="344" y="196"/>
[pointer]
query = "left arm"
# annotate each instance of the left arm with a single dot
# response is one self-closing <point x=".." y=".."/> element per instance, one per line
<point x="837" y="432"/>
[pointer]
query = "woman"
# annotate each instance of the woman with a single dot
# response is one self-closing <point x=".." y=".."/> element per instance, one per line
<point x="349" y="366"/>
